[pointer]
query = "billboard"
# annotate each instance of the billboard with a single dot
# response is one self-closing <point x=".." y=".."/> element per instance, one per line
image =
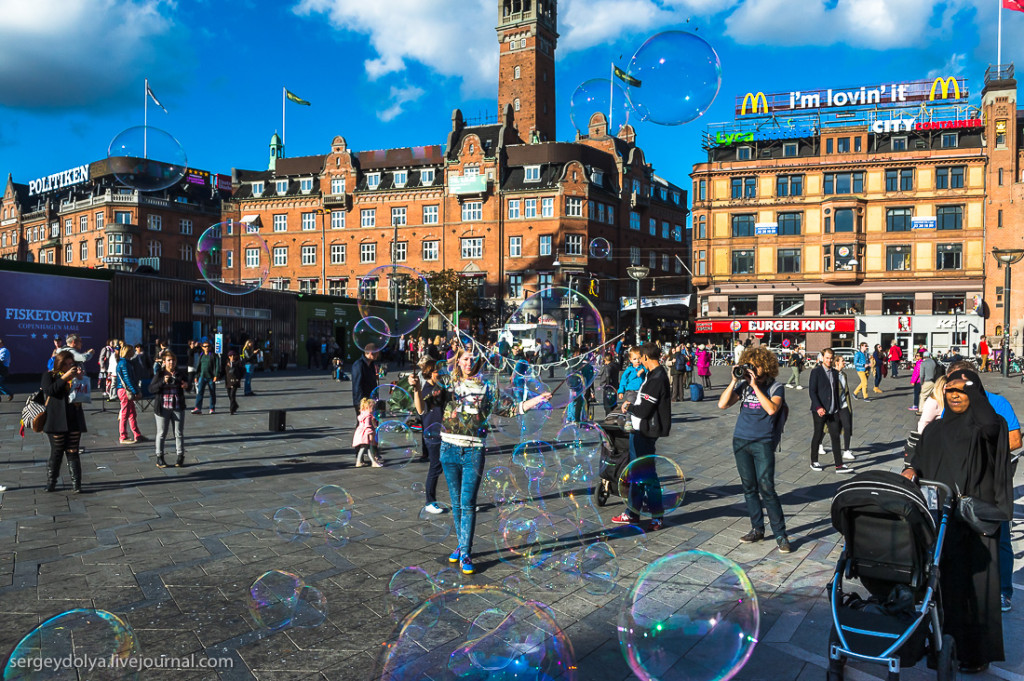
<point x="946" y="90"/>
<point x="38" y="308"/>
<point x="790" y="325"/>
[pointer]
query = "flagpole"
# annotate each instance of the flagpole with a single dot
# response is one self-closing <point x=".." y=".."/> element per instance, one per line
<point x="999" y="40"/>
<point x="282" y="117"/>
<point x="145" y="120"/>
<point x="611" y="95"/>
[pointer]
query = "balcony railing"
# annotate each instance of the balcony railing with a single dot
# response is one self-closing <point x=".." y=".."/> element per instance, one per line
<point x="999" y="72"/>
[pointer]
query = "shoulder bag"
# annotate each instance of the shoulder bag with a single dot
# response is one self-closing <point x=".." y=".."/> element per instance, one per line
<point x="33" y="414"/>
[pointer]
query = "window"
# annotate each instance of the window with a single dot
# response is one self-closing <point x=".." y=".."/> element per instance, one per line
<point x="513" y="209"/>
<point x="368" y="217"/>
<point x="306" y="184"/>
<point x="185" y="226"/>
<point x="122" y="217"/>
<point x="532" y="172"/>
<point x="83" y="249"/>
<point x="252" y="257"/>
<point x="842" y="145"/>
<point x="634" y="220"/>
<point x="844" y="220"/>
<point x="516" y="73"/>
<point x="472" y="211"/>
<point x="1000" y="184"/>
<point x="257" y="188"/>
<point x="431" y="250"/>
<point x="573" y="207"/>
<point x="430" y="215"/>
<point x="743" y="153"/>
<point x="307" y="285"/>
<point x="401" y="177"/>
<point x="830" y="145"/>
<point x="308" y="222"/>
<point x="99" y="248"/>
<point x="67" y="226"/>
<point x="790" y="149"/>
<point x="788" y="260"/>
<point x="337" y="185"/>
<point x="337" y="219"/>
<point x="999" y="217"/>
<point x="897" y="258"/>
<point x="652" y="260"/>
<point x="336" y="287"/>
<point x="280" y="223"/>
<point x="702" y="227"/>
<point x="281" y="186"/>
<point x="847" y="304"/>
<point x="597" y="177"/>
<point x="742" y="225"/>
<point x="280" y="256"/>
<point x="897" y="303"/>
<point x="949" y="177"/>
<point x="515" y="285"/>
<point x="545" y="280"/>
<point x="69" y="253"/>
<point x="547" y="207"/>
<point x="787" y="305"/>
<point x="744" y="187"/>
<point x="530" y="208"/>
<point x="844" y="183"/>
<point x="83" y="221"/>
<point x="666" y="230"/>
<point x="949" y="256"/>
<point x="398" y="217"/>
<point x="600" y="212"/>
<point x="899" y="143"/>
<point x="515" y="104"/>
<point x="949" y="140"/>
<point x="372" y="180"/>
<point x="634" y="255"/>
<point x="545" y="245"/>
<point x="401" y="251"/>
<point x="790" y="224"/>
<point x="337" y="254"/>
<point x="677" y="233"/>
<point x="99" y="221"/>
<point x="743" y="262"/>
<point x="121" y="244"/>
<point x="309" y="255"/>
<point x="742" y="305"/>
<point x="515" y="246"/>
<point x="702" y="190"/>
<point x="473" y="248"/>
<point x="427" y="176"/>
<point x="665" y="262"/>
<point x="906" y="179"/>
<point x="652" y="226"/>
<point x="898" y="219"/>
<point x="945" y="303"/>
<point x="574" y="244"/>
<point x="789" y="185"/>
<point x="950" y="217"/>
<point x="367" y="253"/>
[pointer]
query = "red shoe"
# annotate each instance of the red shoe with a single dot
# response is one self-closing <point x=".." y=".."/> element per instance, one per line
<point x="657" y="524"/>
<point x="624" y="519"/>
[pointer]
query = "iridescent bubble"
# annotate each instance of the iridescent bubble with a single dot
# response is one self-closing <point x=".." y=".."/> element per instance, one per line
<point x="599" y="568"/>
<point x="310" y="608"/>
<point x="247" y="270"/>
<point x="338" y="534"/>
<point x="407" y="589"/>
<point x="659" y="483"/>
<point x="371" y="334"/>
<point x="497" y="485"/>
<point x="396" y="443"/>
<point x="629" y="541"/>
<point x="392" y="401"/>
<point x="82" y="633"/>
<point x="448" y="578"/>
<point x="146" y="158"/>
<point x="679" y="75"/>
<point x="600" y="248"/>
<point x="599" y="96"/>
<point x="691" y="616"/>
<point x="544" y="315"/>
<point x="514" y="584"/>
<point x="290" y="524"/>
<point x="535" y="468"/>
<point x="432" y="434"/>
<point x="417" y="488"/>
<point x="397" y="296"/>
<point x="492" y="651"/>
<point x="529" y="533"/>
<point x="332" y="504"/>
<point x="436" y="527"/>
<point x="273" y="598"/>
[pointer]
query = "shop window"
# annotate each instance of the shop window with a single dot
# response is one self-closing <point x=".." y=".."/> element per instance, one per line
<point x="946" y="303"/>
<point x="842" y="305"/>
<point x="897" y="303"/>
<point x="788" y="305"/>
<point x="741" y="306"/>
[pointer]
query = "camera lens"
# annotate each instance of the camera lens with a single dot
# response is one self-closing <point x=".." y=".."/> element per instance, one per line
<point x="740" y="371"/>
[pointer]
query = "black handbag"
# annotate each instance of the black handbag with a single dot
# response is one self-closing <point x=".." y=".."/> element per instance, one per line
<point x="981" y="516"/>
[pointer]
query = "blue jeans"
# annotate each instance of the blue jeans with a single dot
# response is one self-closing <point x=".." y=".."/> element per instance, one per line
<point x="644" y="484"/>
<point x="201" y="385"/>
<point x="755" y="461"/>
<point x="3" y="390"/>
<point x="463" y="469"/>
<point x="248" y="377"/>
<point x="1005" y="561"/>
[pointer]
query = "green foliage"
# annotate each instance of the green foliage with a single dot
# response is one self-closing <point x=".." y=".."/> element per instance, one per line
<point x="444" y="284"/>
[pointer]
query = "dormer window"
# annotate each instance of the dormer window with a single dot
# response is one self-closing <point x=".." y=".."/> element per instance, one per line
<point x="372" y="180"/>
<point x="675" y="199"/>
<point x="401" y="177"/>
<point x="743" y="153"/>
<point x="306" y="184"/>
<point x="597" y="177"/>
<point x="281" y="186"/>
<point x="257" y="189"/>
<point x="427" y="176"/>
<point x="532" y="173"/>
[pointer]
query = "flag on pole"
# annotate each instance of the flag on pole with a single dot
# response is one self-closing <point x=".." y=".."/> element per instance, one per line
<point x="1016" y="5"/>
<point x="630" y="80"/>
<point x="149" y="91"/>
<point x="295" y="98"/>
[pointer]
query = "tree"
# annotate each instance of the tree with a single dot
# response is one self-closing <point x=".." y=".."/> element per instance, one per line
<point x="444" y="284"/>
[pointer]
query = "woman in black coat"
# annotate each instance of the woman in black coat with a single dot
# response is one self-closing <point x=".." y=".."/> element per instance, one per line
<point x="65" y="422"/>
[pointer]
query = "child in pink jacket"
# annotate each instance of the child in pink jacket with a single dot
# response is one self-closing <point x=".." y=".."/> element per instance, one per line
<point x="365" y="437"/>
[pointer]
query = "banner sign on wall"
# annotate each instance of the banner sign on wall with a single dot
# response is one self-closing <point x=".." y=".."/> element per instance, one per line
<point x="629" y="303"/>
<point x="754" y="325"/>
<point x="37" y="308"/>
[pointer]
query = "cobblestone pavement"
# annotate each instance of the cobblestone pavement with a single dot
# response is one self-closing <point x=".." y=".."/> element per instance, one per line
<point x="175" y="550"/>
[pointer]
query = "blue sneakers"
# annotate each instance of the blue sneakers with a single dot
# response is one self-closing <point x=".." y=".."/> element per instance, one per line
<point x="466" y="565"/>
<point x="454" y="558"/>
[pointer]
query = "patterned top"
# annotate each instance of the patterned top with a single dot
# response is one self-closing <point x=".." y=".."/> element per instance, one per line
<point x="468" y="404"/>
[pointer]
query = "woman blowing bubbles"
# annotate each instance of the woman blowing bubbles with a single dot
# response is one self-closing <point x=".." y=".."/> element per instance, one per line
<point x="468" y="402"/>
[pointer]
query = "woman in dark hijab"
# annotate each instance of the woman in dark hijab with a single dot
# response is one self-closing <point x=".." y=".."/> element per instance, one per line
<point x="969" y="450"/>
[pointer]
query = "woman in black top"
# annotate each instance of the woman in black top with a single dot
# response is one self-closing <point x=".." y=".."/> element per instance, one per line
<point x="878" y="358"/>
<point x="65" y="422"/>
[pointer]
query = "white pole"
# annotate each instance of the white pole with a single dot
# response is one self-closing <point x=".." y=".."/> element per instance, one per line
<point x="611" y="96"/>
<point x="999" y="39"/>
<point x="145" y="120"/>
<point x="282" y="118"/>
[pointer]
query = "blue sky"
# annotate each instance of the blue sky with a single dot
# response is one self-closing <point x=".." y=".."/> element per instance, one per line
<point x="387" y="73"/>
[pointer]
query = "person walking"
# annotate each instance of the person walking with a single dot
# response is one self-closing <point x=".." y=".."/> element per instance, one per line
<point x="796" y="365"/>
<point x="895" y="357"/>
<point x="704" y="366"/>
<point x="983" y="351"/>
<point x="364" y="375"/>
<point x="755" y="439"/>
<point x="5" y="369"/>
<point x="127" y="392"/>
<point x="823" y="389"/>
<point x="234" y="370"/>
<point x="190" y="357"/>
<point x="915" y="380"/>
<point x="679" y="383"/>
<point x="364" y="439"/>
<point x="878" y="365"/>
<point x="142" y="369"/>
<point x="432" y="414"/>
<point x="688" y="365"/>
<point x="248" y="366"/>
<point x="845" y="413"/>
<point x="207" y="372"/>
<point x="930" y="372"/>
<point x="168" y="390"/>
<point x="861" y="364"/>
<point x="65" y="420"/>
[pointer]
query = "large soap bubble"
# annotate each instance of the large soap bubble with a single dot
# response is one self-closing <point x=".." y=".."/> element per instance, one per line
<point x="600" y="248"/>
<point x="397" y="295"/>
<point x="679" y="75"/>
<point x="652" y="484"/>
<point x="371" y="334"/>
<point x="392" y="400"/>
<point x="233" y="257"/>
<point x="146" y="158"/>
<point x="478" y="632"/>
<point x="274" y="598"/>
<point x="83" y="634"/>
<point x="599" y="95"/>
<point x="407" y="589"/>
<point x="691" y="616"/>
<point x="290" y="525"/>
<point x="396" y="444"/>
<point x="332" y="504"/>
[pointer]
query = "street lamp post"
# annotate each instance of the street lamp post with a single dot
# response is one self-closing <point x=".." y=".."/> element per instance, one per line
<point x="733" y="325"/>
<point x="637" y="272"/>
<point x="1007" y="257"/>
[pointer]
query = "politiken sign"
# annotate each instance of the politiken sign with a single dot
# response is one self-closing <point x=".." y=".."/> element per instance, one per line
<point x="755" y="325"/>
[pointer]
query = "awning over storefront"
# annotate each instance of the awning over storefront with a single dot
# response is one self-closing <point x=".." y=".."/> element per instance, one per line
<point x="760" y="325"/>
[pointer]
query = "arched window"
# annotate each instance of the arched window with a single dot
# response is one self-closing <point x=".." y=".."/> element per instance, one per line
<point x="156" y="249"/>
<point x="186" y="252"/>
<point x="516" y="73"/>
<point x="515" y="104"/>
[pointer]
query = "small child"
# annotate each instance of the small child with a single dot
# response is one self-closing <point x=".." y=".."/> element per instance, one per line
<point x="365" y="437"/>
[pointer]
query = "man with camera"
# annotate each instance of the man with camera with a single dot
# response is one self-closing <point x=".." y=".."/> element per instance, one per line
<point x="823" y="389"/>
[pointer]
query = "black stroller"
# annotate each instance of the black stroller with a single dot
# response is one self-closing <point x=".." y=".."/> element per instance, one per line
<point x="614" y="458"/>
<point x="892" y="546"/>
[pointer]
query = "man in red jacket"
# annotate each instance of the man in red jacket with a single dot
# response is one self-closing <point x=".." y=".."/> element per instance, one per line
<point x="895" y="357"/>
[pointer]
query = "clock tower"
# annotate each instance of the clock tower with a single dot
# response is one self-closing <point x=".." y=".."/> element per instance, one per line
<point x="526" y="67"/>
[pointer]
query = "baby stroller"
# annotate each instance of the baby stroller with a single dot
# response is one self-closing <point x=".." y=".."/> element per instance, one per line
<point x="893" y="547"/>
<point x="614" y="457"/>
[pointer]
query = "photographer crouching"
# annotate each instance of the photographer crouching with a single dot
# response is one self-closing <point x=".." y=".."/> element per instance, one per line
<point x="757" y="434"/>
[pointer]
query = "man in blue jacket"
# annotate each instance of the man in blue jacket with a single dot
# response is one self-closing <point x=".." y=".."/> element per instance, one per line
<point x="861" y="359"/>
<point x="364" y="375"/>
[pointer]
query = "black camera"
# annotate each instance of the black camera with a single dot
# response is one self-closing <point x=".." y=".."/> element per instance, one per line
<point x="740" y="370"/>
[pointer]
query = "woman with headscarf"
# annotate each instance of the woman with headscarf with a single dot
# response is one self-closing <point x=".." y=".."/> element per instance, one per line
<point x="969" y="450"/>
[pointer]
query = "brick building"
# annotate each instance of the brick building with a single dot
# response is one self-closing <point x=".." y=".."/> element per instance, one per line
<point x="499" y="202"/>
<point x="85" y="217"/>
<point x="823" y="222"/>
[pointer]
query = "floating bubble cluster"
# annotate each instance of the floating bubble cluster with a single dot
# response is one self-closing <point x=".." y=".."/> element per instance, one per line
<point x="278" y="599"/>
<point x="247" y="272"/>
<point x="147" y="159"/>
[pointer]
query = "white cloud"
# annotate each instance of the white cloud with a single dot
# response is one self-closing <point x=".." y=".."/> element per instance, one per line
<point x="587" y="23"/>
<point x="399" y="97"/>
<point x="954" y="66"/>
<point x="73" y="53"/>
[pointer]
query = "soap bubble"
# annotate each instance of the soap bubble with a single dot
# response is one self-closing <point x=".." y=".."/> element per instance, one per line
<point x="250" y="263"/>
<point x="396" y="444"/>
<point x="436" y="527"/>
<point x="290" y="524"/>
<point x="680" y="77"/>
<point x="407" y="589"/>
<point x="432" y="434"/>
<point x="273" y="598"/>
<point x="534" y="467"/>
<point x="600" y="248"/>
<point x="691" y="616"/>
<point x="529" y="533"/>
<point x="661" y="481"/>
<point x="146" y="158"/>
<point x="310" y="608"/>
<point x="338" y="534"/>
<point x="629" y="541"/>
<point x="448" y="578"/>
<point x="543" y="316"/>
<point x="371" y="333"/>
<point x="332" y="504"/>
<point x="392" y="400"/>
<point x="417" y="488"/>
<point x="497" y="485"/>
<point x="598" y="568"/>
<point x="81" y="633"/>
<point x="599" y="95"/>
<point x="467" y="634"/>
<point x="397" y="296"/>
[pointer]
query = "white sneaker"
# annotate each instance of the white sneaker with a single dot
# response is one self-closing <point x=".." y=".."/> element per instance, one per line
<point x="821" y="450"/>
<point x="433" y="508"/>
<point x="799" y="387"/>
<point x="847" y="455"/>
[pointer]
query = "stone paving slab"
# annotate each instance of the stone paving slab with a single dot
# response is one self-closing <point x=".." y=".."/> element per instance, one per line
<point x="175" y="550"/>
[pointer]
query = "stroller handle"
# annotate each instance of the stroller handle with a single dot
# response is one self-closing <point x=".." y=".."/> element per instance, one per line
<point x="938" y="485"/>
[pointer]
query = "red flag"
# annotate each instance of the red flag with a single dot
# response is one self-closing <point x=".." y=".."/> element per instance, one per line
<point x="1016" y="5"/>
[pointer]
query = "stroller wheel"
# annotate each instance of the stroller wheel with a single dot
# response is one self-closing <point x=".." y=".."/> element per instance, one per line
<point x="948" y="665"/>
<point x="601" y="492"/>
